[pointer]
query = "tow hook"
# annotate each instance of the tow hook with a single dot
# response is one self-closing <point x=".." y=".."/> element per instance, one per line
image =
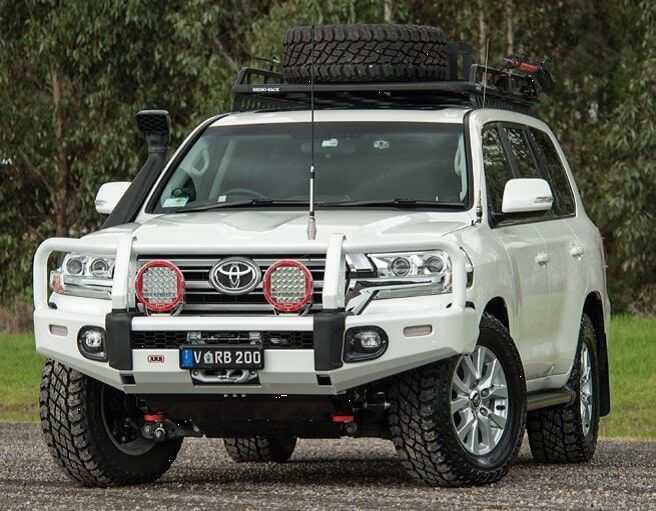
<point x="348" y="421"/>
<point x="154" y="427"/>
<point x="159" y="428"/>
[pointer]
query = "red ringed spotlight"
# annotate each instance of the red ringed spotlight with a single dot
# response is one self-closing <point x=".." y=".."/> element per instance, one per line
<point x="160" y="286"/>
<point x="288" y="286"/>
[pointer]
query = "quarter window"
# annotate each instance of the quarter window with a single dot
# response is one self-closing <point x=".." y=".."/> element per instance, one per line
<point x="553" y="166"/>
<point x="497" y="169"/>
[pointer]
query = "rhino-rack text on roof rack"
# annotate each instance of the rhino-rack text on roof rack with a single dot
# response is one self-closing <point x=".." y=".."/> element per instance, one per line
<point x="258" y="89"/>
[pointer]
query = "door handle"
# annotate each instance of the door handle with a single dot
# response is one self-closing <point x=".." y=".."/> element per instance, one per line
<point x="577" y="251"/>
<point x="542" y="258"/>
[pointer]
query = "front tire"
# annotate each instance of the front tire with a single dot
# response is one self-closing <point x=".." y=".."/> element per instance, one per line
<point x="446" y="440"/>
<point x="260" y="449"/>
<point x="93" y="431"/>
<point x="568" y="434"/>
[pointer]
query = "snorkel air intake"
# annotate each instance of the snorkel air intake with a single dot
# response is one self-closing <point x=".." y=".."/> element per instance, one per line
<point x="156" y="125"/>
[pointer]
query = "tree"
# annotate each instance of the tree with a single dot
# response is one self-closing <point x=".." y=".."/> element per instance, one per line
<point x="72" y="76"/>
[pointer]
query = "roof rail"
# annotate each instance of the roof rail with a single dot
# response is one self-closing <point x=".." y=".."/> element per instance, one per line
<point x="259" y="89"/>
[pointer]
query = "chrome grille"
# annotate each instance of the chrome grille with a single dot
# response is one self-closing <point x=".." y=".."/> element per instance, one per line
<point x="202" y="298"/>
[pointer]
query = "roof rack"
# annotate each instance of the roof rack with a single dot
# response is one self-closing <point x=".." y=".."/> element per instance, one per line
<point x="258" y="89"/>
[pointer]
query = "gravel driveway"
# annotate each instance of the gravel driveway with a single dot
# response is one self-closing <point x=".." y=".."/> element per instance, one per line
<point x="327" y="474"/>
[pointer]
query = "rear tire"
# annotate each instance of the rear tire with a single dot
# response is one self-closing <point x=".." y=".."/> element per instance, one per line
<point x="260" y="449"/>
<point x="365" y="53"/>
<point x="568" y="434"/>
<point x="78" y="415"/>
<point x="431" y="422"/>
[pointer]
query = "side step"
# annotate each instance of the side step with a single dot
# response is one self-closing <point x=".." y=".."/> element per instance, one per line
<point x="545" y="399"/>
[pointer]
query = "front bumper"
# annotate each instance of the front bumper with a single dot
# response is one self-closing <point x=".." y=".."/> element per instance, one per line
<point x="286" y="371"/>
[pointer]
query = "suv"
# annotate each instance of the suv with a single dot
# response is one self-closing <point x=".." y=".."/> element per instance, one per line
<point x="448" y="293"/>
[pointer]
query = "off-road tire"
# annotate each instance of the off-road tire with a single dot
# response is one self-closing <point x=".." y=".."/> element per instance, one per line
<point x="365" y="53"/>
<point x="73" y="427"/>
<point x="260" y="449"/>
<point x="422" y="427"/>
<point x="556" y="434"/>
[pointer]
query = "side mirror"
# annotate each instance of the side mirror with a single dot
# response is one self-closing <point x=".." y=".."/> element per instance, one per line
<point x="527" y="196"/>
<point x="108" y="196"/>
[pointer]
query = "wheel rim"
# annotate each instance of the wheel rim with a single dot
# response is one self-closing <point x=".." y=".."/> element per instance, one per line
<point x="121" y="427"/>
<point x="479" y="401"/>
<point x="585" y="389"/>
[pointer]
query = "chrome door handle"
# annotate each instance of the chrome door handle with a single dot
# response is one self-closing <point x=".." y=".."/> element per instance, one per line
<point x="542" y="258"/>
<point x="577" y="251"/>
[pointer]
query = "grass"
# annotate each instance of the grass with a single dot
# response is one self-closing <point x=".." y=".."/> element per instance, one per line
<point x="632" y="359"/>
<point x="20" y="374"/>
<point x="632" y="349"/>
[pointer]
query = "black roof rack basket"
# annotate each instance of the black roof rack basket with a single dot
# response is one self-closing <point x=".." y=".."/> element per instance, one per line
<point x="259" y="89"/>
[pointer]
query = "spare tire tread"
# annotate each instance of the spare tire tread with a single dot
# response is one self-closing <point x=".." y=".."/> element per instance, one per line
<point x="365" y="53"/>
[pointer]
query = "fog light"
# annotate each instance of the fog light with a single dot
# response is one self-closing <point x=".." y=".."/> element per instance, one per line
<point x="91" y="343"/>
<point x="368" y="339"/>
<point x="364" y="343"/>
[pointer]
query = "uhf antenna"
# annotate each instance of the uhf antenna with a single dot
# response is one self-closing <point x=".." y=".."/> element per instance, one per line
<point x="312" y="224"/>
<point x="479" y="205"/>
<point x="487" y="54"/>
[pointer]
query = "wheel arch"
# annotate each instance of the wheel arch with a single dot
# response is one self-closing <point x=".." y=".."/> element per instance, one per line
<point x="594" y="309"/>
<point x="497" y="307"/>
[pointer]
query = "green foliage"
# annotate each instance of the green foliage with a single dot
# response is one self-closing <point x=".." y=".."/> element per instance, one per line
<point x="73" y="74"/>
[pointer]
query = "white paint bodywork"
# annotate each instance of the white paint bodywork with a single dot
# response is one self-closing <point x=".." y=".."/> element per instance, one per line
<point x="543" y="271"/>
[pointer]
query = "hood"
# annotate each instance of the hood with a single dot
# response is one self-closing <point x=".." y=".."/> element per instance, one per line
<point x="287" y="229"/>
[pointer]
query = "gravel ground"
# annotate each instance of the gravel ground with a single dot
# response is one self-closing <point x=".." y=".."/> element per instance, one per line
<point x="335" y="474"/>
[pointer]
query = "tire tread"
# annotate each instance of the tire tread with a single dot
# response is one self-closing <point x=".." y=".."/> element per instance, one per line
<point x="365" y="53"/>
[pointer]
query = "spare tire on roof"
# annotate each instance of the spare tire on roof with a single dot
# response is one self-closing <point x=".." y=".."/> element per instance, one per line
<point x="365" y="53"/>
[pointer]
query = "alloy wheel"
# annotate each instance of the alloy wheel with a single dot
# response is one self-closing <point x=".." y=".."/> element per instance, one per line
<point x="585" y="389"/>
<point x="479" y="401"/>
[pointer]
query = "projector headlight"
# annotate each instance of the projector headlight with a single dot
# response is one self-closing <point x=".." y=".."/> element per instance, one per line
<point x="416" y="273"/>
<point x="436" y="263"/>
<point x="84" y="275"/>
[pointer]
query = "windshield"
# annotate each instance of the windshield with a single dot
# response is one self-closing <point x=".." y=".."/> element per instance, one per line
<point x="355" y="162"/>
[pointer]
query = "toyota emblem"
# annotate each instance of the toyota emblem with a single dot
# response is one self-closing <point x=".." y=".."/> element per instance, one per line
<point x="235" y="276"/>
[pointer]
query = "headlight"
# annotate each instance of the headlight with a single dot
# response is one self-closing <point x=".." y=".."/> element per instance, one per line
<point x="84" y="275"/>
<point x="403" y="275"/>
<point x="410" y="265"/>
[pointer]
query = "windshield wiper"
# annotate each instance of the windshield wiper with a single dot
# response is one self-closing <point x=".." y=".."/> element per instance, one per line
<point x="399" y="203"/>
<point x="245" y="203"/>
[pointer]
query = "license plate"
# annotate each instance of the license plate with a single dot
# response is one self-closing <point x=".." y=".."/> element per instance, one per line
<point x="221" y="357"/>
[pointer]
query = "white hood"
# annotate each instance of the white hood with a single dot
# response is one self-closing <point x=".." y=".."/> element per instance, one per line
<point x="270" y="228"/>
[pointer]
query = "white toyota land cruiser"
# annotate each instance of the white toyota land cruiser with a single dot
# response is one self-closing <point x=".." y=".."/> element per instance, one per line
<point x="452" y="296"/>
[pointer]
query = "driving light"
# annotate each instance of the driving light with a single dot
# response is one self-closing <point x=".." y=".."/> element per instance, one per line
<point x="160" y="286"/>
<point x="288" y="286"/>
